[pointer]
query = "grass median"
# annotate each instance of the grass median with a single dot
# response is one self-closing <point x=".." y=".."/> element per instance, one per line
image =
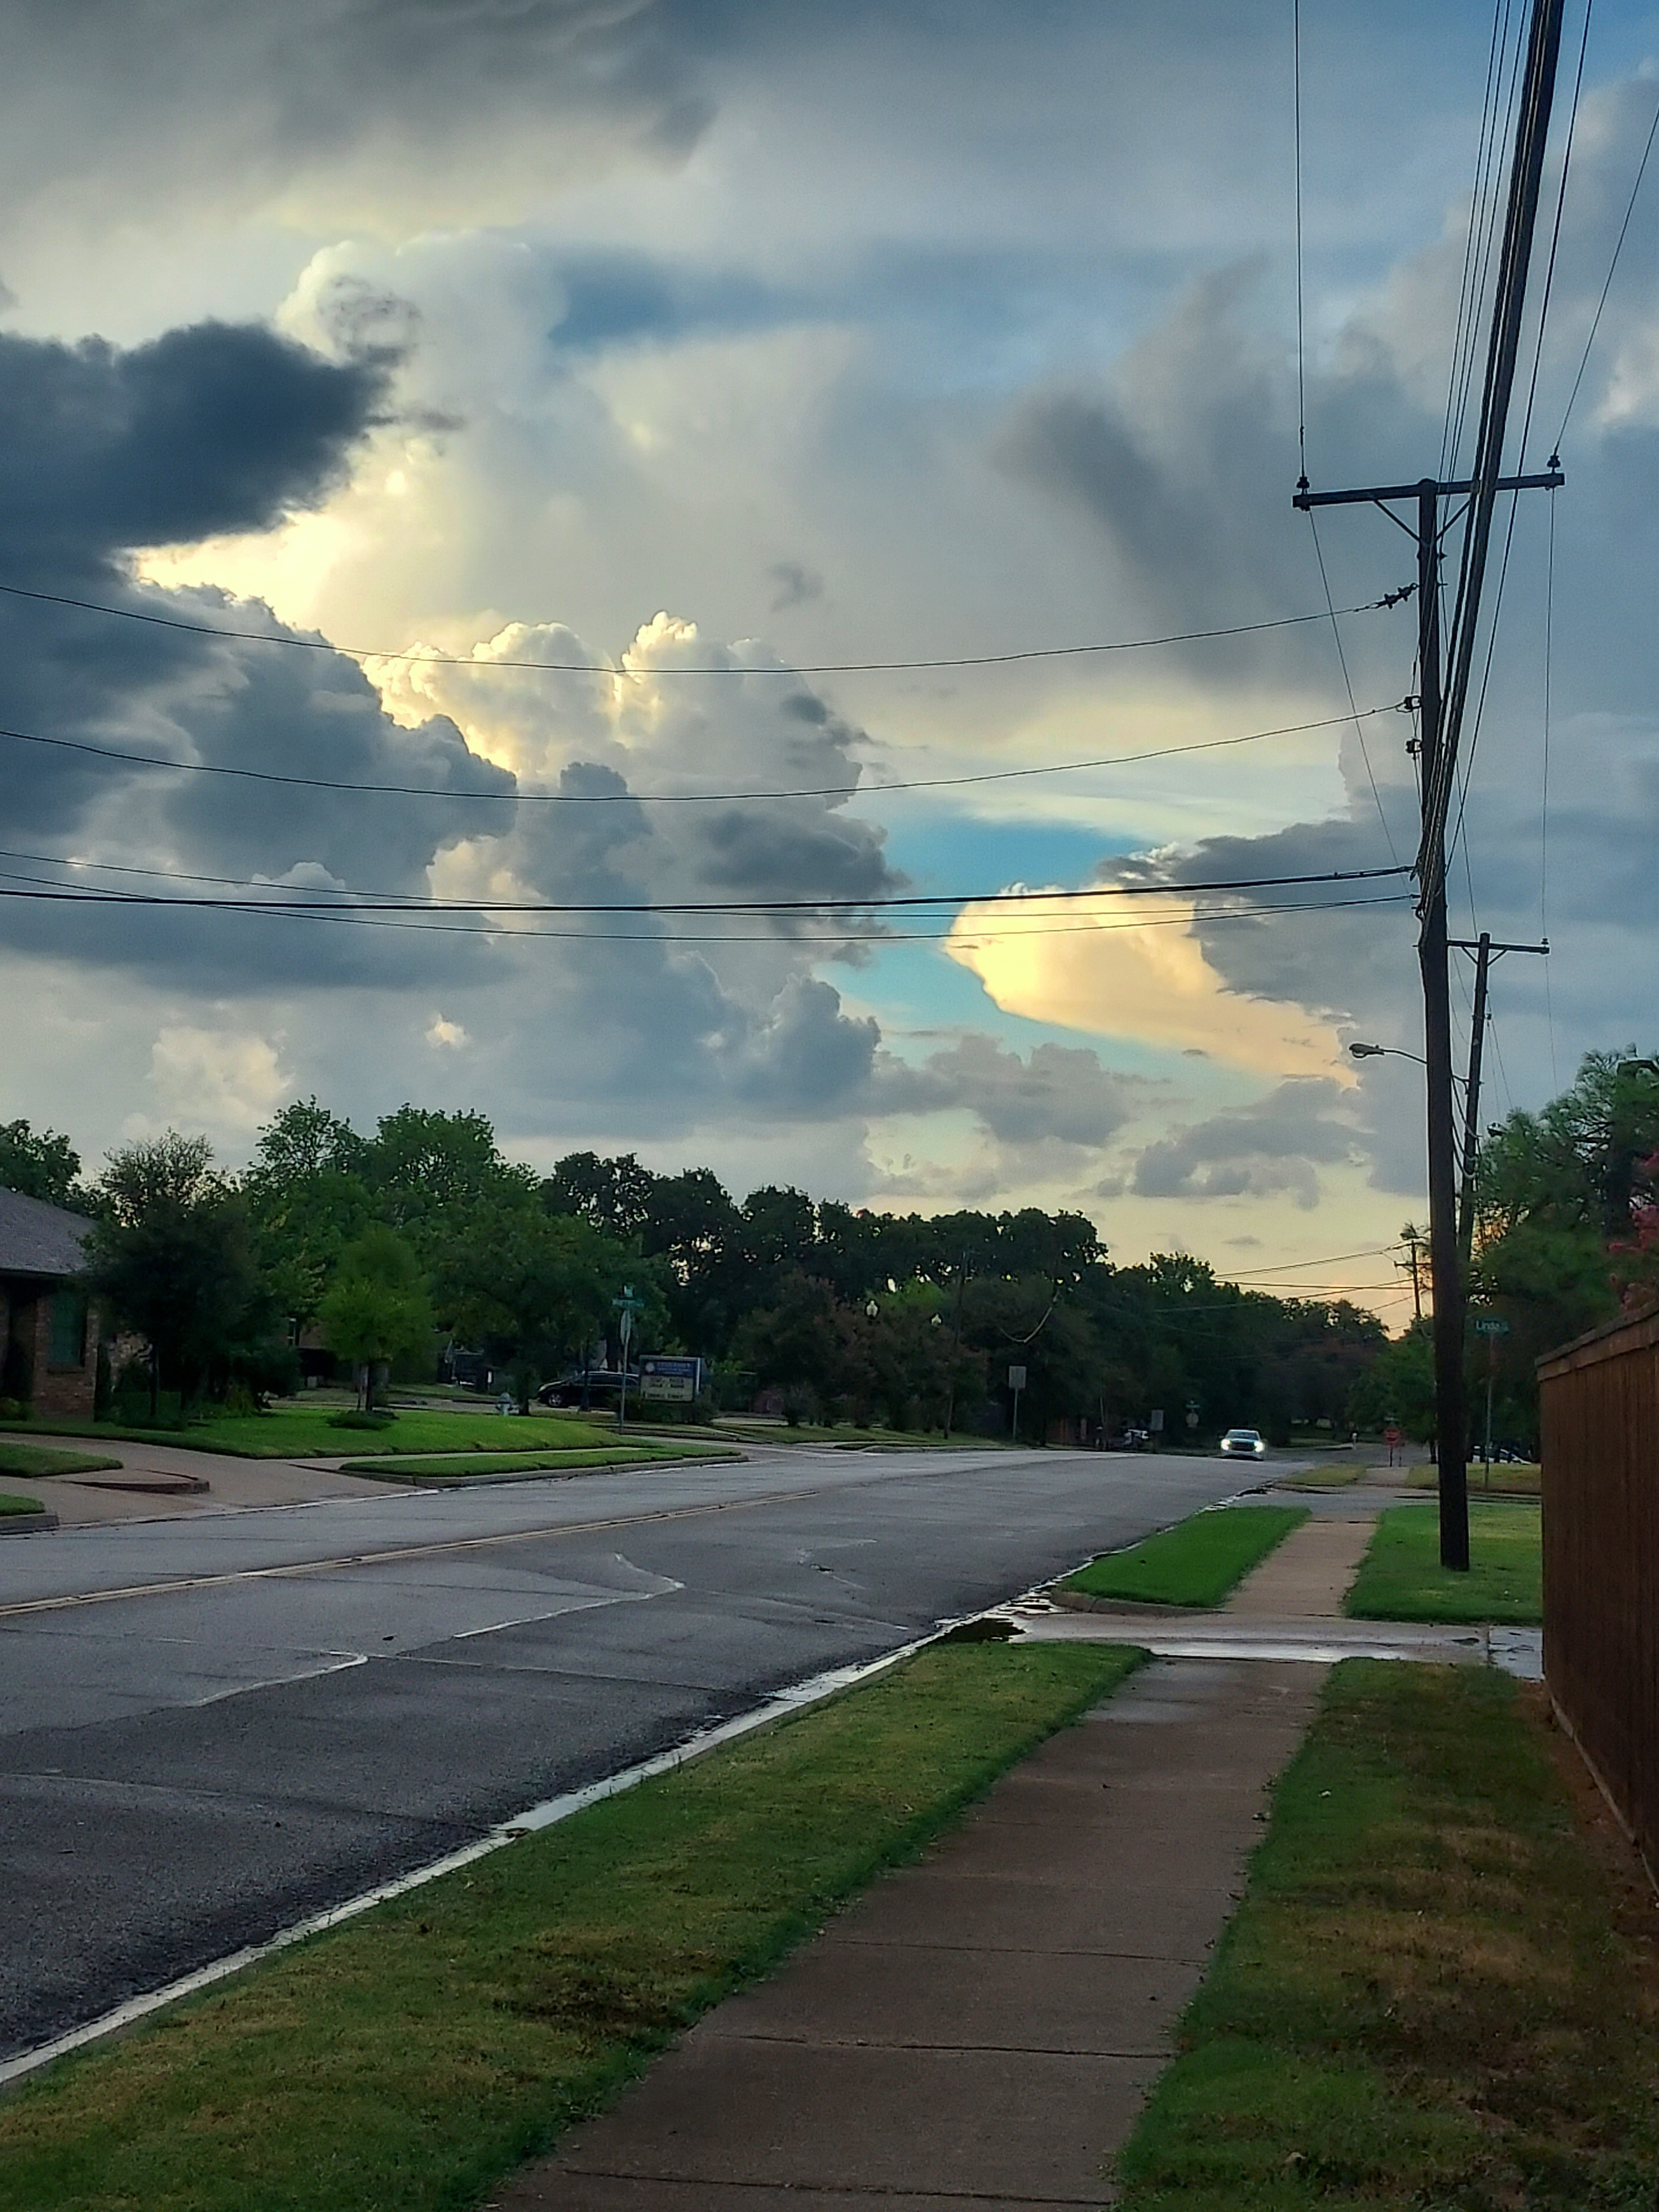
<point x="37" y="1460"/>
<point x="1401" y="1577"/>
<point x="10" y="1505"/>
<point x="407" y="2061"/>
<point x="309" y="1432"/>
<point x="480" y="1467"/>
<point x="1439" y="1990"/>
<point x="1196" y="1563"/>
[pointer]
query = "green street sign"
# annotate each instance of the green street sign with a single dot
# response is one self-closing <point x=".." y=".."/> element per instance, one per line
<point x="1489" y="1325"/>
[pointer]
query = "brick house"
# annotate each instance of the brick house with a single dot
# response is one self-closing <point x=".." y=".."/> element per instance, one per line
<point x="48" y="1332"/>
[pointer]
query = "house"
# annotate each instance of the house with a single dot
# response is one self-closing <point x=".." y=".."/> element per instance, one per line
<point x="48" y="1332"/>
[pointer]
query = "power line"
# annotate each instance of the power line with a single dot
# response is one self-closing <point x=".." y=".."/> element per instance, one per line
<point x="1301" y="337"/>
<point x="516" y="797"/>
<point x="906" y="900"/>
<point x="709" y="668"/>
<point x="1347" y="684"/>
<point x="1618" y="247"/>
<point x="371" y="917"/>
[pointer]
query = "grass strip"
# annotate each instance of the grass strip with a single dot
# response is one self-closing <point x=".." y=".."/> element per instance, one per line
<point x="405" y="2062"/>
<point x="1400" y="1576"/>
<point x="1329" y="1478"/>
<point x="1439" y="1990"/>
<point x="1196" y="1563"/>
<point x="1508" y="1478"/>
<point x="475" y="1467"/>
<point x="9" y="1505"/>
<point x="36" y="1460"/>
<point x="308" y="1433"/>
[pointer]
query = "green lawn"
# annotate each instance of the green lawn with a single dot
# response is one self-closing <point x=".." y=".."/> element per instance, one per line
<point x="405" y="2062"/>
<point x="1437" y="1996"/>
<point x="38" y="1460"/>
<point x="1337" y="1477"/>
<point x="1518" y="1478"/>
<point x="1196" y="1563"/>
<point x="1401" y="1577"/>
<point x="10" y="1505"/>
<point x="473" y="1467"/>
<point x="306" y="1433"/>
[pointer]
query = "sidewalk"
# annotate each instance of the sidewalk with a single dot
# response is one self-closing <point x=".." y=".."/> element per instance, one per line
<point x="981" y="2029"/>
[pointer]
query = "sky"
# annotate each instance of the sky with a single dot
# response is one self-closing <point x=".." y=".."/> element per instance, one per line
<point x="557" y="395"/>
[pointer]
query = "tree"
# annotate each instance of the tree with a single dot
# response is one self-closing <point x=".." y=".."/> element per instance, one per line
<point x="309" y="1198"/>
<point x="40" y="1164"/>
<point x="530" y="1290"/>
<point x="614" y="1195"/>
<point x="172" y="1259"/>
<point x="376" y="1310"/>
<point x="431" y="1172"/>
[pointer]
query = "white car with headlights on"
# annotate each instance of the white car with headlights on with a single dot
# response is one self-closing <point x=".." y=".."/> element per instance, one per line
<point x="1243" y="1444"/>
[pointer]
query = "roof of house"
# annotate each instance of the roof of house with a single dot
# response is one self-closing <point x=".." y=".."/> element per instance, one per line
<point x="37" y="1239"/>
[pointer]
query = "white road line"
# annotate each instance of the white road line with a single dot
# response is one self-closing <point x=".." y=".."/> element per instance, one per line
<point x="530" y="1821"/>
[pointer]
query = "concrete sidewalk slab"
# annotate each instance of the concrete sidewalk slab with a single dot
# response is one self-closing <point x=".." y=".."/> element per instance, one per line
<point x="1308" y="1575"/>
<point x="982" y="2027"/>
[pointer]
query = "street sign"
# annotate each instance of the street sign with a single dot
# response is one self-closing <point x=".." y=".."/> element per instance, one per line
<point x="1016" y="1378"/>
<point x="1489" y="1325"/>
<point x="1155" y="1420"/>
<point x="677" y="1380"/>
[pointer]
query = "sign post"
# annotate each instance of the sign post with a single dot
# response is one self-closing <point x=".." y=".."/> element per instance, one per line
<point x="1015" y="1383"/>
<point x="627" y="1306"/>
<point x="1492" y="1326"/>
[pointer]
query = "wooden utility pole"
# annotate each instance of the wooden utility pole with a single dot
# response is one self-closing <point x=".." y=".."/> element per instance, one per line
<point x="1443" y="690"/>
<point x="1485" y="953"/>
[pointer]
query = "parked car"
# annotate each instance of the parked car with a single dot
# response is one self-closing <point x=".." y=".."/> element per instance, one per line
<point x="1243" y="1444"/>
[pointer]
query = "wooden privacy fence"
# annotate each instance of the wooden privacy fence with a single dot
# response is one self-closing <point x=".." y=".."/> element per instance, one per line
<point x="1601" y="1483"/>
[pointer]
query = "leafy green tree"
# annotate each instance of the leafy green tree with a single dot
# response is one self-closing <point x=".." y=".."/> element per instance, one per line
<point x="172" y="1257"/>
<point x="613" y="1195"/>
<point x="430" y="1173"/>
<point x="309" y="1198"/>
<point x="376" y="1311"/>
<point x="531" y="1290"/>
<point x="40" y="1164"/>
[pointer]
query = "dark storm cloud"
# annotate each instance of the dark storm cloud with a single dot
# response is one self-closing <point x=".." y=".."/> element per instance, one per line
<point x="1060" y="1092"/>
<point x="212" y="429"/>
<point x="193" y="92"/>
<point x="1272" y="1149"/>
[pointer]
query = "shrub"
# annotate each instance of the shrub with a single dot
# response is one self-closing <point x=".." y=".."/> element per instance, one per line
<point x="355" y="1418"/>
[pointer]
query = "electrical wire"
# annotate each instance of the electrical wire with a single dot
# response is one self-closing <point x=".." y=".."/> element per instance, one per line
<point x="1348" y="685"/>
<point x="886" y="903"/>
<point x="1544" y="797"/>
<point x="1618" y="247"/>
<point x="709" y="668"/>
<point x="685" y="798"/>
<point x="371" y="917"/>
<point x="1477" y="193"/>
<point x="1301" y="337"/>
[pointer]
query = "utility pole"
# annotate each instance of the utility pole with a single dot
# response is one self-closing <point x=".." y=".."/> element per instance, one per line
<point x="1485" y="953"/>
<point x="1442" y="688"/>
<point x="1412" y="1238"/>
<point x="1445" y="1257"/>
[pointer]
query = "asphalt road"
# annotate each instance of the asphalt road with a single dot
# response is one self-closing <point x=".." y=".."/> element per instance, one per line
<point x="212" y="1727"/>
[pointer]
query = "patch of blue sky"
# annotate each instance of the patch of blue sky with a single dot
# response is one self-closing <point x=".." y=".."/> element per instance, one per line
<point x="942" y="851"/>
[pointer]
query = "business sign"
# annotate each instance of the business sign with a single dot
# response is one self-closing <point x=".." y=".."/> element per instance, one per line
<point x="663" y="1377"/>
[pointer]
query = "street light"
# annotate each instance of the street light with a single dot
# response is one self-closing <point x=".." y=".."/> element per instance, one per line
<point x="1385" y="1051"/>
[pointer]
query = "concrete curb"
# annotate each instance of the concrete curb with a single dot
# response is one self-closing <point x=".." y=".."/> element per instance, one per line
<point x="25" y="1524"/>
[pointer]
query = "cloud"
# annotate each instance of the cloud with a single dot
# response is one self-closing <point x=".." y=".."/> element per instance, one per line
<point x="1262" y="1151"/>
<point x="1057" y="1093"/>
<point x="330" y="102"/>
<point x="224" y="1081"/>
<point x="1135" y="968"/>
